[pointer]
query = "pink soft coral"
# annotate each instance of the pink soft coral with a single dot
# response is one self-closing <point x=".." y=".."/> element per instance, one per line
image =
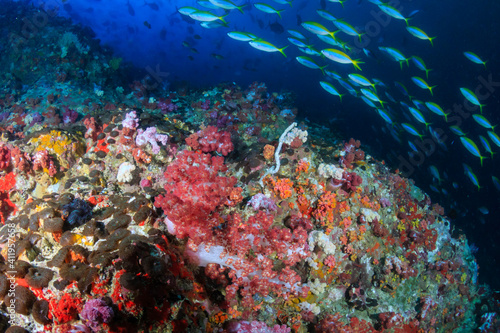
<point x="194" y="191"/>
<point x="150" y="135"/>
<point x="209" y="140"/>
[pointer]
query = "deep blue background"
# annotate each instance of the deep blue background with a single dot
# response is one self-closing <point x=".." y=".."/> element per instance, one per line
<point x="459" y="26"/>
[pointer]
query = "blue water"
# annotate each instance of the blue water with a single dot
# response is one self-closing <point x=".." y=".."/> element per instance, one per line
<point x="152" y="40"/>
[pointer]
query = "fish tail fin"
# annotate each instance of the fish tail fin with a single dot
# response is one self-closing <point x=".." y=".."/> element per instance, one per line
<point x="323" y="69"/>
<point x="356" y="62"/>
<point x="430" y="89"/>
<point x="427" y="73"/>
<point x="332" y="33"/>
<point x="406" y="20"/>
<point x="290" y="3"/>
<point x="240" y="8"/>
<point x="430" y="40"/>
<point x="340" y="96"/>
<point x="481" y="107"/>
<point x="282" y="50"/>
<point x="481" y="158"/>
<point x="446" y="116"/>
<point x="484" y="63"/>
<point x="359" y="36"/>
<point x="279" y="13"/>
<point x="427" y="125"/>
<point x="222" y="18"/>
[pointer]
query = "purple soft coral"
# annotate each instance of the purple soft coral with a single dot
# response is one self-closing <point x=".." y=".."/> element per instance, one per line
<point x="257" y="327"/>
<point x="130" y="120"/>
<point x="150" y="135"/>
<point x="259" y="201"/>
<point x="96" y="312"/>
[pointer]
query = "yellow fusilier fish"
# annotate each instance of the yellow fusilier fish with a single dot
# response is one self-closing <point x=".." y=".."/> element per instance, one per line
<point x="318" y="29"/>
<point x="205" y="16"/>
<point x="417" y="32"/>
<point x="474" y="58"/>
<point x="267" y="47"/>
<point x="267" y="8"/>
<point x="422" y="84"/>
<point x="226" y="4"/>
<point x="340" y="57"/>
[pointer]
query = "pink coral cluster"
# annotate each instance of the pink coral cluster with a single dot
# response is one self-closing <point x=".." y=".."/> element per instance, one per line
<point x="259" y="201"/>
<point x="250" y="250"/>
<point x="42" y="160"/>
<point x="403" y="269"/>
<point x="21" y="160"/>
<point x="93" y="128"/>
<point x="7" y="207"/>
<point x="4" y="158"/>
<point x="150" y="135"/>
<point x="209" y="140"/>
<point x="194" y="191"/>
<point x="131" y="121"/>
<point x="257" y="327"/>
<point x="69" y="116"/>
<point x="167" y="106"/>
<point x="351" y="154"/>
<point x="349" y="181"/>
<point x="96" y="312"/>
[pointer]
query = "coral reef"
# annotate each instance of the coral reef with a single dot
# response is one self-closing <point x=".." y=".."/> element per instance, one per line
<point x="246" y="219"/>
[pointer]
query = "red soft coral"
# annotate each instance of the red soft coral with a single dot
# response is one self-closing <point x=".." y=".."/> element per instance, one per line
<point x="4" y="158"/>
<point x="194" y="191"/>
<point x="209" y="140"/>
<point x="6" y="206"/>
<point x="21" y="160"/>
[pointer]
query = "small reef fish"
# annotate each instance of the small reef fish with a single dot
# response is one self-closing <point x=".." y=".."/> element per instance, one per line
<point x="471" y="97"/>
<point x="417" y="32"/>
<point x="422" y="84"/>
<point x="411" y="130"/>
<point x="361" y="80"/>
<point x="418" y="116"/>
<point x="347" y="28"/>
<point x="457" y="130"/>
<point x="371" y="95"/>
<point x="486" y="145"/>
<point x="340" y="57"/>
<point x="331" y="89"/>
<point x="481" y="120"/>
<point x="308" y="62"/>
<point x="226" y="4"/>
<point x="341" y="2"/>
<point x="472" y="148"/>
<point x="420" y="64"/>
<point x="264" y="7"/>
<point x="494" y="137"/>
<point x="317" y="28"/>
<point x="267" y="47"/>
<point x="242" y="36"/>
<point x="395" y="54"/>
<point x="205" y="16"/>
<point x="393" y="12"/>
<point x="437" y="110"/>
<point x="474" y="58"/>
<point x="472" y="176"/>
